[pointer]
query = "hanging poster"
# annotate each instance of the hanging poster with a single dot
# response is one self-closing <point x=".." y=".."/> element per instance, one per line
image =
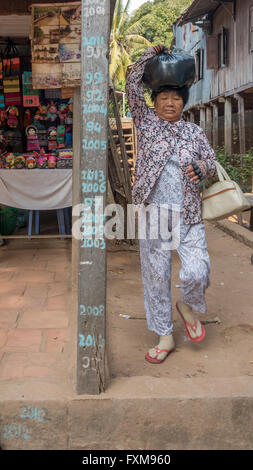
<point x="56" y="45"/>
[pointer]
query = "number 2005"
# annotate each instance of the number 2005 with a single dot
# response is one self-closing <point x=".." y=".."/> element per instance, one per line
<point x="94" y="144"/>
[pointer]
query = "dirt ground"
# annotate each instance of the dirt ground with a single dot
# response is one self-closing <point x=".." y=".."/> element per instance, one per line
<point x="227" y="350"/>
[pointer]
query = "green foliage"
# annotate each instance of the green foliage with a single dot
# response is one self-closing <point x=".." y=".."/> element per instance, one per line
<point x="151" y="24"/>
<point x="122" y="42"/>
<point x="155" y="21"/>
<point x="238" y="167"/>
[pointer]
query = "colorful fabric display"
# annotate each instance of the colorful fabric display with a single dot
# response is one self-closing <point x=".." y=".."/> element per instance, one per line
<point x="2" y="102"/>
<point x="65" y="159"/>
<point x="69" y="140"/>
<point x="30" y="96"/>
<point x="11" y="85"/>
<point x="12" y="99"/>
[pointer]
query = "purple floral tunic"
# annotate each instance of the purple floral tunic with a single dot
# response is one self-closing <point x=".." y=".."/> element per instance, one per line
<point x="158" y="140"/>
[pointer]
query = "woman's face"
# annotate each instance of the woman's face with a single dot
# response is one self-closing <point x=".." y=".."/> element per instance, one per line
<point x="169" y="106"/>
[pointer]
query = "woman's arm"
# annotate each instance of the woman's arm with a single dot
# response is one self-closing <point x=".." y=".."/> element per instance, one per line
<point x="206" y="163"/>
<point x="134" y="88"/>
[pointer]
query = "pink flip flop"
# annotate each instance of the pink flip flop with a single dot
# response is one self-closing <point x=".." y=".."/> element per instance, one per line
<point x="193" y="327"/>
<point x="154" y="360"/>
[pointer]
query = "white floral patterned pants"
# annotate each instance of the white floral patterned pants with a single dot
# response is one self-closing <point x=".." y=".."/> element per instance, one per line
<point x="156" y="263"/>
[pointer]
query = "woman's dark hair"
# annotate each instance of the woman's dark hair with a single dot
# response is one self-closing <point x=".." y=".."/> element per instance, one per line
<point x="182" y="92"/>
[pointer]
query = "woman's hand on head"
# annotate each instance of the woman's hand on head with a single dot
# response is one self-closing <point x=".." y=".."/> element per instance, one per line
<point x="161" y="48"/>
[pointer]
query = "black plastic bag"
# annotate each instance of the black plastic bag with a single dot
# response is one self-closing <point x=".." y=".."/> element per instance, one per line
<point x="175" y="69"/>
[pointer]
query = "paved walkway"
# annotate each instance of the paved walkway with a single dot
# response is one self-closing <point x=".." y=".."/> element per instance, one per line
<point x="199" y="398"/>
<point x="35" y="305"/>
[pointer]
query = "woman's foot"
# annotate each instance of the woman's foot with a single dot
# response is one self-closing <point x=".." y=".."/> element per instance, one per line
<point x="194" y="328"/>
<point x="159" y="353"/>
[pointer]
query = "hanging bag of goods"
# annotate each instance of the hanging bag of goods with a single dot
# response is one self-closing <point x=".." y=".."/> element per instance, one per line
<point x="11" y="61"/>
<point x="175" y="68"/>
<point x="12" y="93"/>
<point x="11" y="71"/>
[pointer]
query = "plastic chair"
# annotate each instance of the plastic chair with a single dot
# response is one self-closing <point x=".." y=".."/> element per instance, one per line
<point x="62" y="218"/>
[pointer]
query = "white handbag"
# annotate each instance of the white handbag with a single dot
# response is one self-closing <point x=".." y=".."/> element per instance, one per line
<point x="223" y="198"/>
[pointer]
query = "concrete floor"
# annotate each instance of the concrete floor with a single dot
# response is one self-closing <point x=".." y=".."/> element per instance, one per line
<point x="199" y="398"/>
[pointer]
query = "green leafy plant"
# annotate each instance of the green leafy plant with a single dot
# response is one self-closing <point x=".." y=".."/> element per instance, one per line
<point x="238" y="167"/>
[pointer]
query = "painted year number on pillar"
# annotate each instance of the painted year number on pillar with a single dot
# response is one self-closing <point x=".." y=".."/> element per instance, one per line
<point x="91" y="339"/>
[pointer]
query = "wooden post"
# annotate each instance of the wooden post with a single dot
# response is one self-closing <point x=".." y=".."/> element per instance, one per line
<point x="209" y="123"/>
<point x="75" y="201"/>
<point x="192" y="116"/>
<point x="203" y="117"/>
<point x="241" y="120"/>
<point x="93" y="191"/>
<point x="215" y="124"/>
<point x="228" y="125"/>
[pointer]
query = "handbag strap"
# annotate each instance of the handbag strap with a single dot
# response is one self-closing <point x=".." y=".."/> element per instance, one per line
<point x="222" y="175"/>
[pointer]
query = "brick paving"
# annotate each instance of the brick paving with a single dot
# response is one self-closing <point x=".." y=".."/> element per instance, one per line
<point x="35" y="306"/>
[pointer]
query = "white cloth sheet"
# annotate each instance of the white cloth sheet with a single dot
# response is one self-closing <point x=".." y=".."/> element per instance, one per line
<point x="36" y="189"/>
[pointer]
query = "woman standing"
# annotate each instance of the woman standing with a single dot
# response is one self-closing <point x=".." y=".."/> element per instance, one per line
<point x="173" y="157"/>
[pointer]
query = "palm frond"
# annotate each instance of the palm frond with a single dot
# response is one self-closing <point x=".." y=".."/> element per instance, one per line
<point x="136" y="40"/>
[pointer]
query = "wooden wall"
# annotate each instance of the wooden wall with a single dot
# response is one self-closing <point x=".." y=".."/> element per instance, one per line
<point x="239" y="72"/>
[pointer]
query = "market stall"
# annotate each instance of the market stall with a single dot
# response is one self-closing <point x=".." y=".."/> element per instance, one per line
<point x="36" y="109"/>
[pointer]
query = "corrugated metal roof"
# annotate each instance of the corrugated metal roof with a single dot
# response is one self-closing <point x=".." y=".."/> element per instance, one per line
<point x="197" y="9"/>
<point x="17" y="26"/>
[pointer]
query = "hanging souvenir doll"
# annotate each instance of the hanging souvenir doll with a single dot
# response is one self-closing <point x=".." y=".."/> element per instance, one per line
<point x="61" y="136"/>
<point x="27" y="118"/>
<point x="39" y="122"/>
<point x="52" y="112"/>
<point x="43" y="112"/>
<point x="68" y="123"/>
<point x="32" y="138"/>
<point x="52" y="139"/>
<point x="12" y="116"/>
<point x="63" y="110"/>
